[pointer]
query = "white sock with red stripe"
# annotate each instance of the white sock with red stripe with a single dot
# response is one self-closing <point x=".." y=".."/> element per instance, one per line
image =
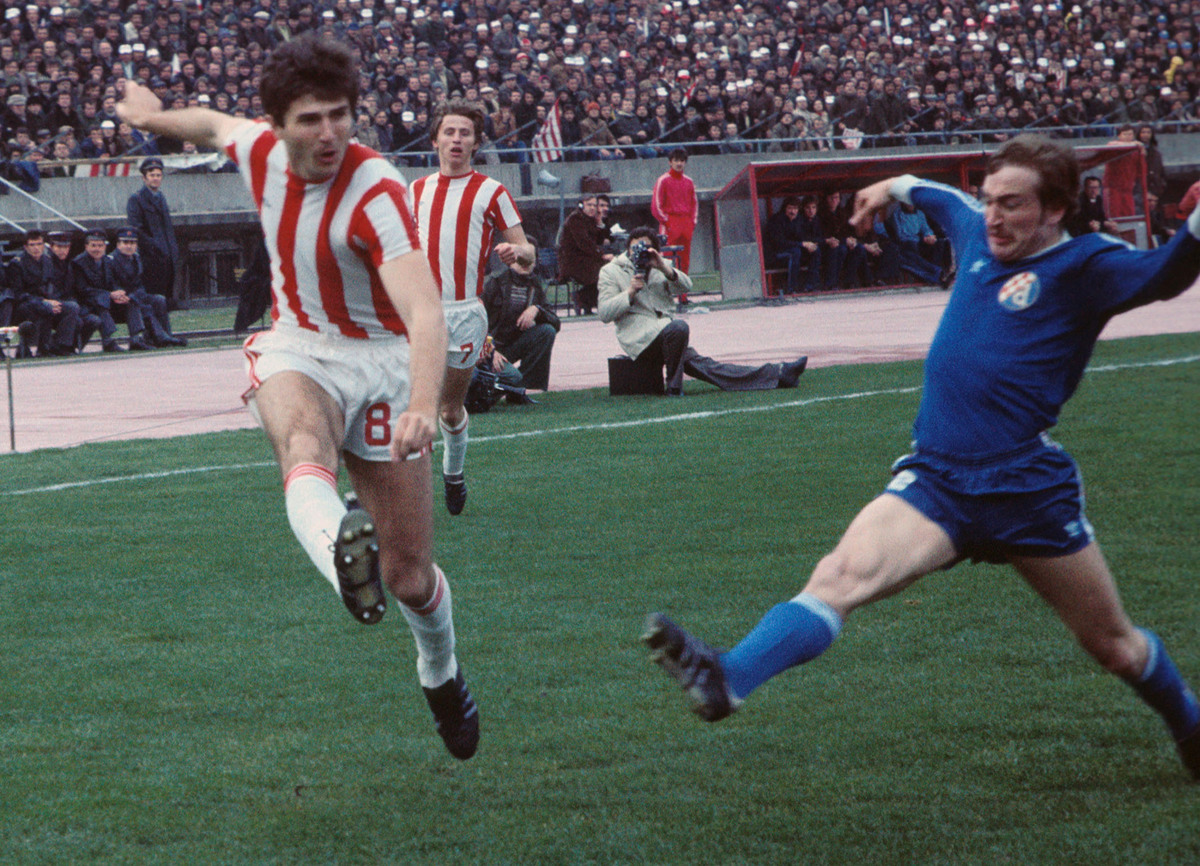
<point x="315" y="511"/>
<point x="454" y="453"/>
<point x="433" y="629"/>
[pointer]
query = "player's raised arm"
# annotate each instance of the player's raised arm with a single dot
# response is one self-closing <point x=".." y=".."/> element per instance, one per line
<point x="140" y="108"/>
<point x="871" y="202"/>
<point x="409" y="284"/>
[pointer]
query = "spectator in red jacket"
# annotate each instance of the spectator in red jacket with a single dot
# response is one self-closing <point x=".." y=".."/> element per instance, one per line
<point x="676" y="207"/>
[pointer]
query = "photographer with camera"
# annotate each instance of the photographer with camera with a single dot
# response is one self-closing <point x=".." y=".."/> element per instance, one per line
<point x="636" y="294"/>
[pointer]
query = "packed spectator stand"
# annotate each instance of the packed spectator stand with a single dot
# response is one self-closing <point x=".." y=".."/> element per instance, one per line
<point x="626" y="81"/>
<point x="716" y="77"/>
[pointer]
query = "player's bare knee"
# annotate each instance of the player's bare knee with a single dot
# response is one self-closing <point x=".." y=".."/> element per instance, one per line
<point x="452" y="414"/>
<point x="303" y="446"/>
<point x="408" y="577"/>
<point x="1120" y="655"/>
<point x="839" y="581"/>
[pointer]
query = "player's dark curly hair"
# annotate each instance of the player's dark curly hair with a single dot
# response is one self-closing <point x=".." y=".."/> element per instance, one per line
<point x="1054" y="164"/>
<point x="307" y="66"/>
<point x="473" y="111"/>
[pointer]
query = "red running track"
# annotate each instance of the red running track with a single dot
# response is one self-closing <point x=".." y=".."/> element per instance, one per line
<point x="176" y="393"/>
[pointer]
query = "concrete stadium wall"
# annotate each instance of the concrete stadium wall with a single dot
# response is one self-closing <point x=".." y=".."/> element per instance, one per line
<point x="214" y="212"/>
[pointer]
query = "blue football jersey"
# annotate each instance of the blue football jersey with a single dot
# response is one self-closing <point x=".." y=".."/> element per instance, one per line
<point x="1015" y="337"/>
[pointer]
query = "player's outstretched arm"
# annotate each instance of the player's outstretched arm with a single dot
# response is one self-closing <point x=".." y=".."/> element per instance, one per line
<point x="140" y="108"/>
<point x="410" y="286"/>
<point x="871" y="202"/>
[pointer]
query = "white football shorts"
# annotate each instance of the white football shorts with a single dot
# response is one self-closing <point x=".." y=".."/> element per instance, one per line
<point x="466" y="326"/>
<point x="367" y="379"/>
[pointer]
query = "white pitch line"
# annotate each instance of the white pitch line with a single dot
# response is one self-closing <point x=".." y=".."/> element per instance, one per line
<point x="582" y="428"/>
<point x="694" y="416"/>
<point x="1169" y="362"/>
<point x="145" y="476"/>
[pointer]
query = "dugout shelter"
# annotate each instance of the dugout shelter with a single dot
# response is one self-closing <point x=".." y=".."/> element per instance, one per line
<point x="743" y="206"/>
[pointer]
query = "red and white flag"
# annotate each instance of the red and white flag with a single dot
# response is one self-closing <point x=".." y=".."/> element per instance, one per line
<point x="795" y="70"/>
<point x="547" y="144"/>
<point x="103" y="169"/>
<point x="174" y="162"/>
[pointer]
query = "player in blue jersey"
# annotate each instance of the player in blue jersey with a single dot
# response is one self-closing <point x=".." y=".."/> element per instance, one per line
<point x="984" y="481"/>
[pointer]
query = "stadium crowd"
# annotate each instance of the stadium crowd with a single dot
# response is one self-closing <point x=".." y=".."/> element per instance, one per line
<point x="631" y="78"/>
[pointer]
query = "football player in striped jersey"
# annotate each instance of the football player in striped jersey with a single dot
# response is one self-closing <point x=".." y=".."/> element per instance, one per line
<point x="352" y="367"/>
<point x="460" y="212"/>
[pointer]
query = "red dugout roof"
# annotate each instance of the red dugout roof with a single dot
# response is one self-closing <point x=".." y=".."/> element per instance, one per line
<point x="778" y="179"/>
<point x="742" y="205"/>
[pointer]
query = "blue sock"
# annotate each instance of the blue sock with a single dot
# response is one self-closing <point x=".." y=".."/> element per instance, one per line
<point x="1161" y="686"/>
<point x="791" y="633"/>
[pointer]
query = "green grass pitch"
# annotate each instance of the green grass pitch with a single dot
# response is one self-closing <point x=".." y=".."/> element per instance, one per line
<point x="177" y="685"/>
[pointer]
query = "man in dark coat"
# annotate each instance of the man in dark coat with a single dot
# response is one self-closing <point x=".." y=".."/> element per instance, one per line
<point x="8" y="301"/>
<point x="844" y="257"/>
<point x="793" y="237"/>
<point x="92" y="277"/>
<point x="55" y="320"/>
<point x="1091" y="215"/>
<point x="128" y="275"/>
<point x="148" y="213"/>
<point x="64" y="286"/>
<point x="579" y="255"/>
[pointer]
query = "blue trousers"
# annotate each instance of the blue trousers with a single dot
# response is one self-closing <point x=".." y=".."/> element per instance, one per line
<point x="803" y="267"/>
<point x="64" y="324"/>
<point x="843" y="266"/>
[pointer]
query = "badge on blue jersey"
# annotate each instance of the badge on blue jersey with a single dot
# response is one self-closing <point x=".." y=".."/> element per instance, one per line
<point x="1019" y="292"/>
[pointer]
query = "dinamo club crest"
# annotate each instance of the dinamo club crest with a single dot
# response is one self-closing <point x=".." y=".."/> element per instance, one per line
<point x="1019" y="292"/>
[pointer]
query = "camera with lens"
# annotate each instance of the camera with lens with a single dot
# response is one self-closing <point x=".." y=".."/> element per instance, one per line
<point x="641" y="254"/>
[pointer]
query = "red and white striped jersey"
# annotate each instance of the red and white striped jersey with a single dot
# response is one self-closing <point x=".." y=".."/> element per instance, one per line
<point x="327" y="240"/>
<point x="456" y="219"/>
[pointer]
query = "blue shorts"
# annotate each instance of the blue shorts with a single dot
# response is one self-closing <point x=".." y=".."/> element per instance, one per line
<point x="1027" y="502"/>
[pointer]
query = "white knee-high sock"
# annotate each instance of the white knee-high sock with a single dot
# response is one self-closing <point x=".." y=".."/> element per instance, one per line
<point x="315" y="511"/>
<point x="454" y="452"/>
<point x="433" y="630"/>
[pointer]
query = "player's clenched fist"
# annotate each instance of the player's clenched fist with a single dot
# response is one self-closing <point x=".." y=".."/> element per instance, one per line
<point x="413" y="435"/>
